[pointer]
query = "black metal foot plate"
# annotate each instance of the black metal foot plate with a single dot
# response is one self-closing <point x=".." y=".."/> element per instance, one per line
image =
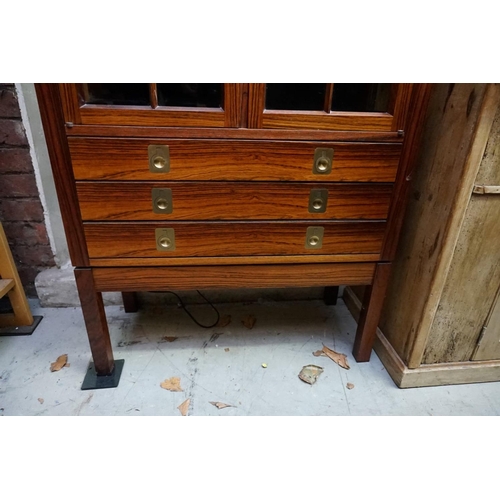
<point x="94" y="381"/>
<point x="12" y="331"/>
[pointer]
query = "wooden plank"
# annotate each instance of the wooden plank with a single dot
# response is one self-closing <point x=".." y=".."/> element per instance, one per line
<point x="256" y="104"/>
<point x="53" y="125"/>
<point x="482" y="189"/>
<point x="5" y="286"/>
<point x="452" y="119"/>
<point x="473" y="277"/>
<point x="231" y="133"/>
<point x="211" y="160"/>
<point x="212" y="261"/>
<point x="233" y="95"/>
<point x="138" y="116"/>
<point x="70" y="103"/>
<point x="425" y="375"/>
<point x="231" y="201"/>
<point x="8" y="272"/>
<point x="215" y="277"/>
<point x="206" y="239"/>
<point x="334" y="120"/>
<point x="327" y="106"/>
<point x="489" y="346"/>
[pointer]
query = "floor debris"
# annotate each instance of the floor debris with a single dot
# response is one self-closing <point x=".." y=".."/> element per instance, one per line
<point x="264" y="365"/>
<point x="172" y="384"/>
<point x="226" y="349"/>
<point x="184" y="407"/>
<point x="340" y="359"/>
<point x="310" y="373"/>
<point x="126" y="343"/>
<point x="220" y="405"/>
<point x="167" y="339"/>
<point x="41" y="400"/>
<point x="350" y="386"/>
<point x="249" y="321"/>
<point x="223" y="321"/>
<point x="59" y="363"/>
<point x="319" y="353"/>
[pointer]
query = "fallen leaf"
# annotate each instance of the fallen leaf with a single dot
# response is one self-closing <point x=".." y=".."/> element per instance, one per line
<point x="319" y="353"/>
<point x="249" y="321"/>
<point x="59" y="363"/>
<point x="41" y="400"/>
<point x="172" y="384"/>
<point x="227" y="349"/>
<point x="340" y="359"/>
<point x="310" y="373"/>
<point x="184" y="407"/>
<point x="350" y="386"/>
<point x="223" y="321"/>
<point x="168" y="339"/>
<point x="220" y="405"/>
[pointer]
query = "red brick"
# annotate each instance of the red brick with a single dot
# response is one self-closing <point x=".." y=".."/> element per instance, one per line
<point x="12" y="133"/>
<point x="9" y="107"/>
<point x="26" y="233"/>
<point x="15" y="160"/>
<point x="39" y="255"/>
<point x="29" y="209"/>
<point x="18" y="186"/>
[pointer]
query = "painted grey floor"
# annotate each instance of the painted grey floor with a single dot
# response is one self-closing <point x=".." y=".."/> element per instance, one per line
<point x="220" y="364"/>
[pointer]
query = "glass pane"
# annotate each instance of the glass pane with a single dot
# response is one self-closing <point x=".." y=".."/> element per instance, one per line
<point x="128" y="94"/>
<point x="296" y="96"/>
<point x="192" y="95"/>
<point x="372" y="97"/>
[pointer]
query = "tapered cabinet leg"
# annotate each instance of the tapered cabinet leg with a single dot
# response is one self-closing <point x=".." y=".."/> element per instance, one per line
<point x="330" y="295"/>
<point x="130" y="302"/>
<point x="103" y="372"/>
<point x="373" y="301"/>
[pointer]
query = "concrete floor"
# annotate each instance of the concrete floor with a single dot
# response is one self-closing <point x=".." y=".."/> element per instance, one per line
<point x="220" y="364"/>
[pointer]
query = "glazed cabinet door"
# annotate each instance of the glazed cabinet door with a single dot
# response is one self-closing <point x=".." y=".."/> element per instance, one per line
<point x="328" y="106"/>
<point x="153" y="104"/>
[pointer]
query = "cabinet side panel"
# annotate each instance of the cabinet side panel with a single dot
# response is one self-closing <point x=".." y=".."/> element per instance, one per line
<point x="449" y="129"/>
<point x="474" y="275"/>
<point x="53" y="124"/>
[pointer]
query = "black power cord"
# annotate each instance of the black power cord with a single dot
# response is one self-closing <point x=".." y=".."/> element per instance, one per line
<point x="181" y="304"/>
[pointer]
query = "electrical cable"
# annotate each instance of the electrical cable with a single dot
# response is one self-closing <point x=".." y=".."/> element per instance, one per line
<point x="181" y="304"/>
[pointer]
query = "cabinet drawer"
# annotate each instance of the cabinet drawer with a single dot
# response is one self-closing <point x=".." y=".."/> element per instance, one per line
<point x="112" y="240"/>
<point x="211" y="160"/>
<point x="231" y="201"/>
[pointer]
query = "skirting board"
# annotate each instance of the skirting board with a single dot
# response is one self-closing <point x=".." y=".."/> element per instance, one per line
<point x="467" y="372"/>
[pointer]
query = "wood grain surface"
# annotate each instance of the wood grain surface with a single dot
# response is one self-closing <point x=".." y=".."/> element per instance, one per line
<point x="231" y="201"/>
<point x="190" y="160"/>
<point x="205" y="239"/>
<point x="212" y="277"/>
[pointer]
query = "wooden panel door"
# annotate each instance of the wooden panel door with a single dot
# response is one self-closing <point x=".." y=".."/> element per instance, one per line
<point x="328" y="106"/>
<point x="153" y="104"/>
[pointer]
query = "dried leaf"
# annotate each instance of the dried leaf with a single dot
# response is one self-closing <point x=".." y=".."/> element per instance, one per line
<point x="41" y="400"/>
<point x="318" y="353"/>
<point x="249" y="321"/>
<point x="172" y="384"/>
<point x="167" y="339"/>
<point x="340" y="359"/>
<point x="223" y="321"/>
<point x="184" y="407"/>
<point x="350" y="386"/>
<point x="220" y="405"/>
<point x="59" y="363"/>
<point x="227" y="349"/>
<point x="310" y="373"/>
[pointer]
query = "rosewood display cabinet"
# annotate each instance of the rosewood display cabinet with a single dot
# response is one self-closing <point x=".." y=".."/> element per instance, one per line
<point x="197" y="186"/>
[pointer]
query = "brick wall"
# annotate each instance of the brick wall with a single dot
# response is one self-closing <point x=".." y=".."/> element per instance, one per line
<point x="21" y="211"/>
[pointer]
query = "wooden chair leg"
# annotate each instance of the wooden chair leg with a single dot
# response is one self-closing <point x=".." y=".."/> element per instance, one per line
<point x="95" y="321"/>
<point x="373" y="301"/>
<point x="130" y="302"/>
<point x="330" y="295"/>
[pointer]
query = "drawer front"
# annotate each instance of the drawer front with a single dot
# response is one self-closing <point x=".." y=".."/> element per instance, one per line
<point x="212" y="160"/>
<point x="115" y="240"/>
<point x="231" y="201"/>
